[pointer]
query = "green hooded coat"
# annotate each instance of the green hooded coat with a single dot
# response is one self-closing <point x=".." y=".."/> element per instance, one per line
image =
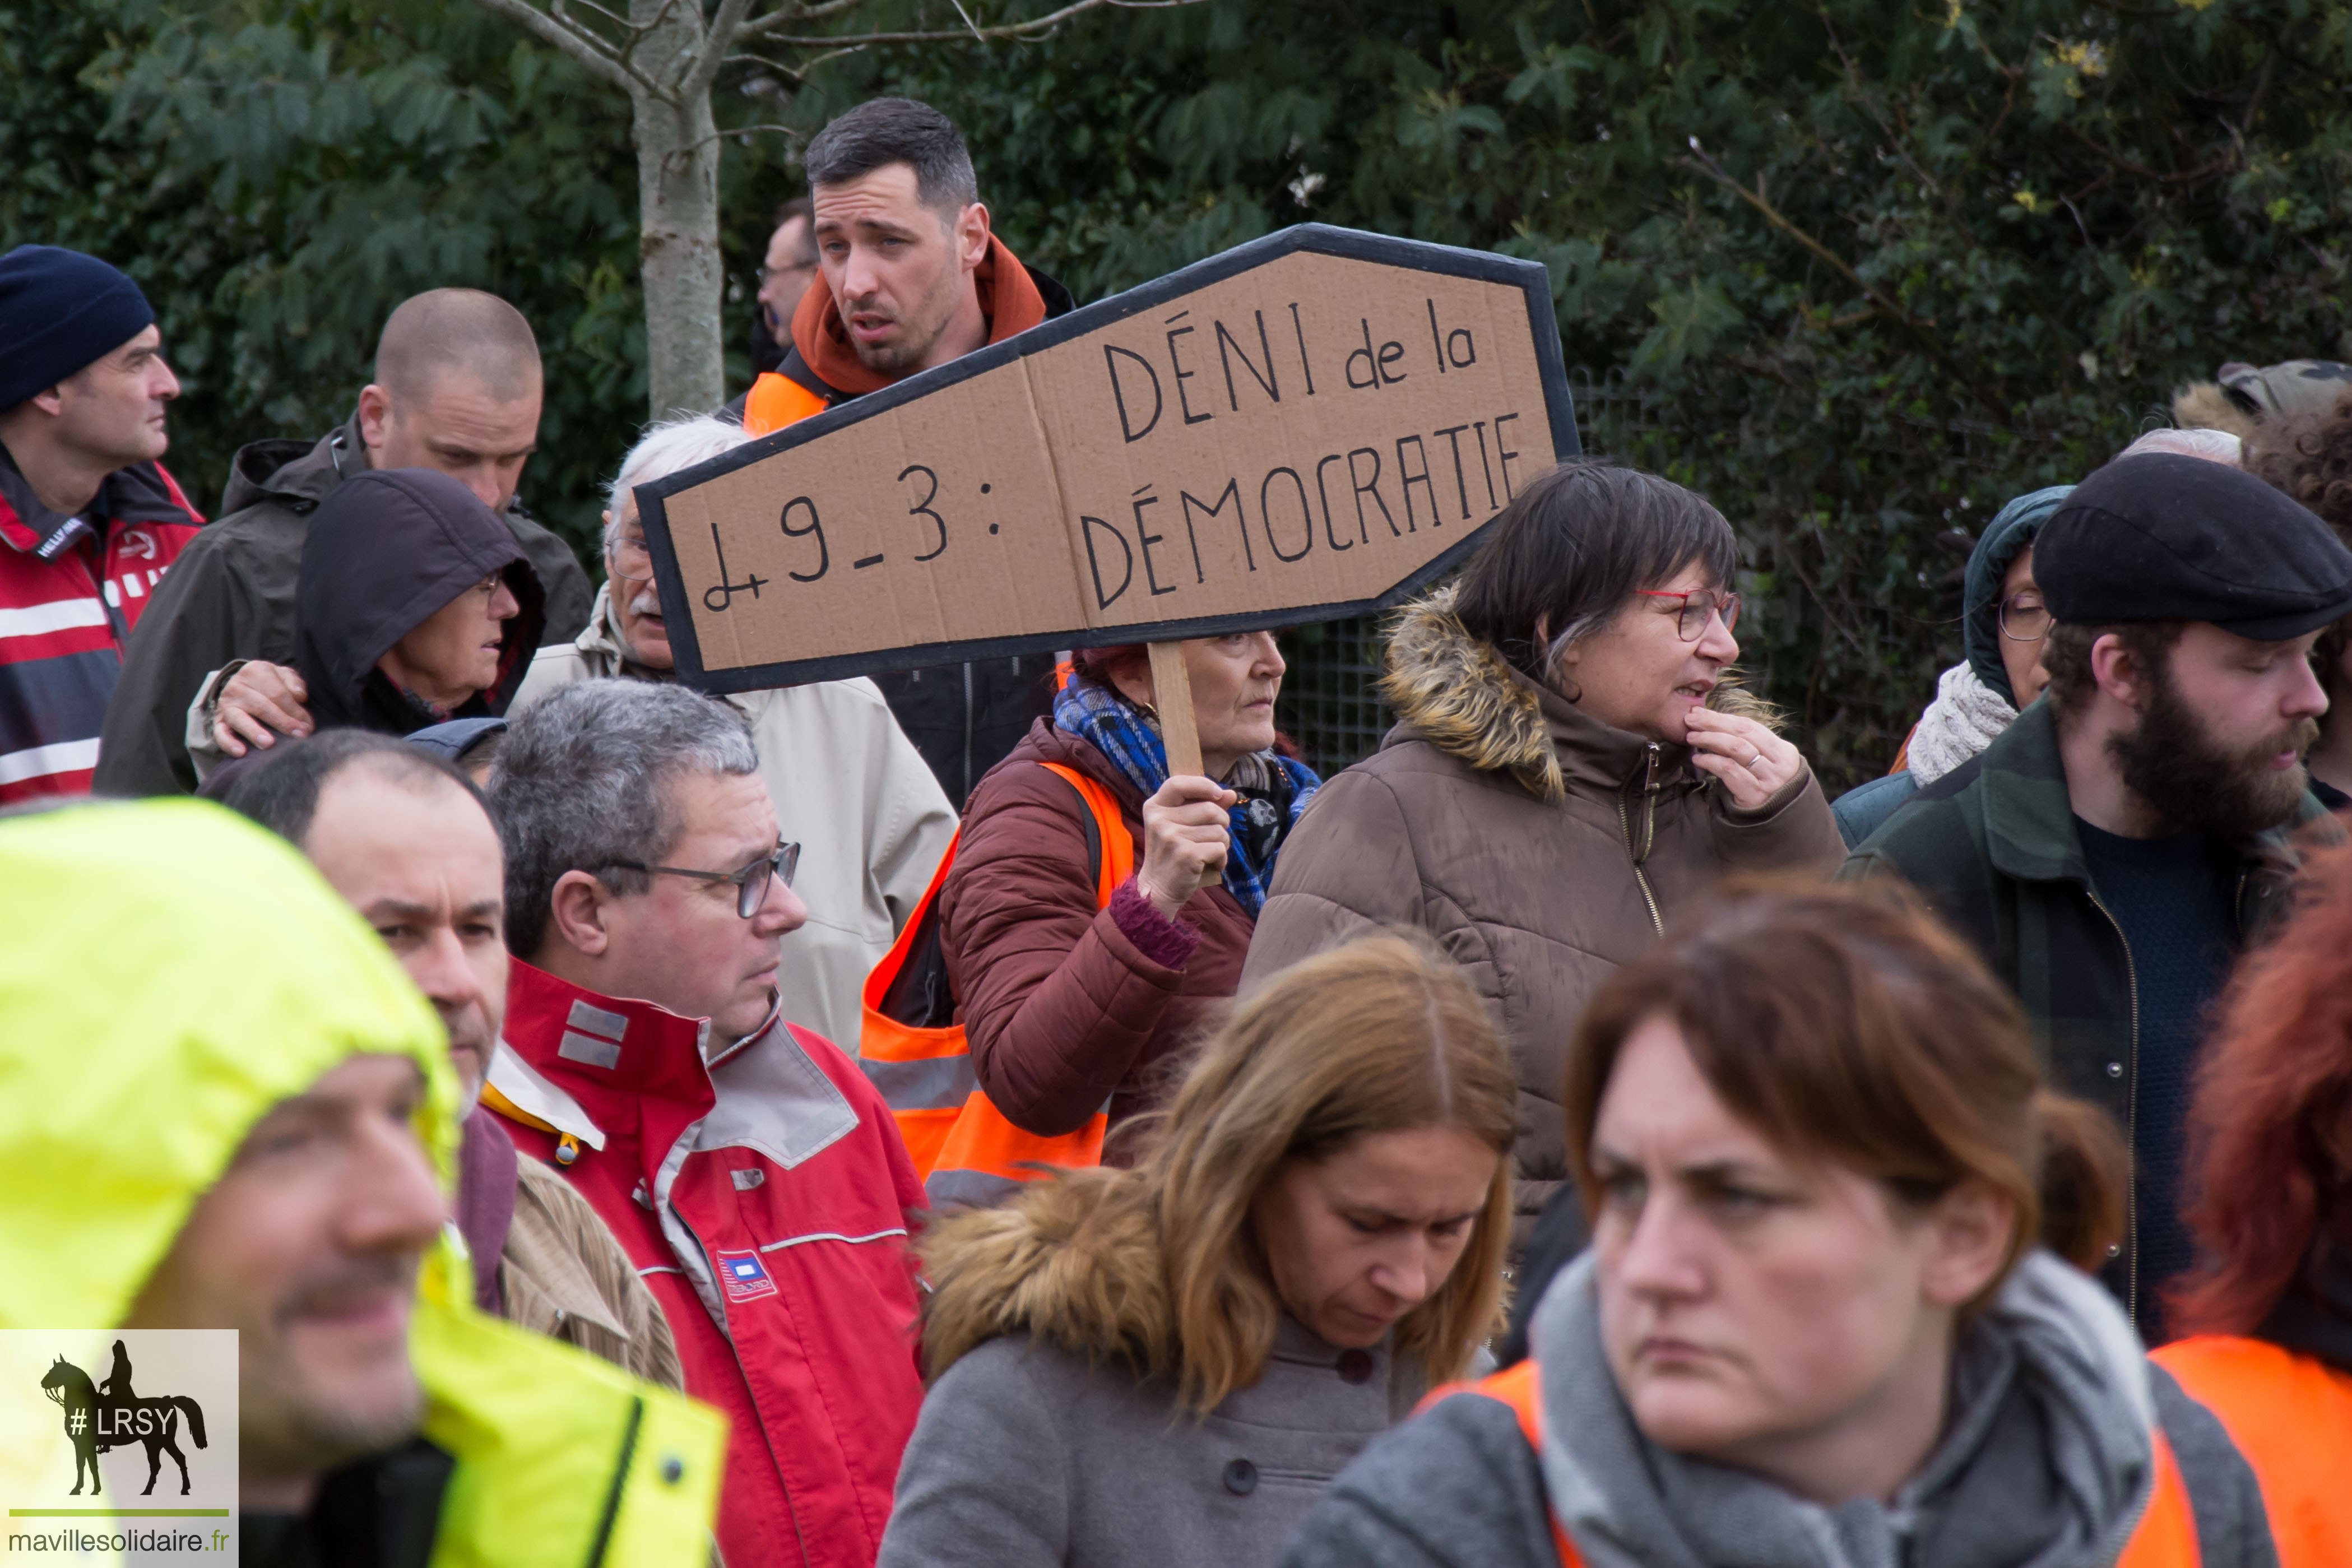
<point x="168" y="973"/>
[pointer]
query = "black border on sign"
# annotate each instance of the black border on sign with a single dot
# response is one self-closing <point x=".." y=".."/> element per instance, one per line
<point x="1530" y="277"/>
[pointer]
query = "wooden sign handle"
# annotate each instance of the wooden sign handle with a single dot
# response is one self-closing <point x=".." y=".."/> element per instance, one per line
<point x="1171" y="694"/>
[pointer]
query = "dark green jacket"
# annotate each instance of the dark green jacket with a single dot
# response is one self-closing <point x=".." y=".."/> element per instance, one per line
<point x="231" y="595"/>
<point x="1993" y="845"/>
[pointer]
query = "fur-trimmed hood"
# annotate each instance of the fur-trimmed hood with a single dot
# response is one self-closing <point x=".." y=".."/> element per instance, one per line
<point x="1074" y="1261"/>
<point x="1459" y="694"/>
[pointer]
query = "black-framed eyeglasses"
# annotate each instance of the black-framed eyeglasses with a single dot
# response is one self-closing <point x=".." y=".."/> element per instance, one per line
<point x="1696" y="608"/>
<point x="750" y="882"/>
<point x="2024" y="617"/>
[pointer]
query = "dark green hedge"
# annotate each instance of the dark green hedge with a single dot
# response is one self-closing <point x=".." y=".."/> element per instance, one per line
<point x="1868" y="268"/>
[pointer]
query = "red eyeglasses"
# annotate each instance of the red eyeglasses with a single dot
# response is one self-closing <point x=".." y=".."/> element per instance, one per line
<point x="1698" y="606"/>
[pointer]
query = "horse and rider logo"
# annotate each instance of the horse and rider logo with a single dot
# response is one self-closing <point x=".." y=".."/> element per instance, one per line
<point x="113" y="1417"/>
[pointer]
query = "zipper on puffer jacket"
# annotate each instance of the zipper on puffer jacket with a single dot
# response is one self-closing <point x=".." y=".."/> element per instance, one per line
<point x="1640" y="853"/>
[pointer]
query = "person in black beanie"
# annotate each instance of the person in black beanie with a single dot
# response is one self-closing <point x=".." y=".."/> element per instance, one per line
<point x="416" y="606"/>
<point x="89" y="520"/>
<point x="2113" y="849"/>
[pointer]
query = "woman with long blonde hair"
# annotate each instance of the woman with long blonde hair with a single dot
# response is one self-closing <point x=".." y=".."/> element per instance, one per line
<point x="1166" y="1363"/>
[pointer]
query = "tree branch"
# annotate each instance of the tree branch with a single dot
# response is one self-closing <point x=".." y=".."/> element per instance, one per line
<point x="585" y="47"/>
<point x="712" y="53"/>
<point x="769" y="27"/>
<point x="1921" y="333"/>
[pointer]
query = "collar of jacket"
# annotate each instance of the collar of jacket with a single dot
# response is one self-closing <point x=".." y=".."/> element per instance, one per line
<point x="1455" y="691"/>
<point x="2029" y="817"/>
<point x="294" y="473"/>
<point x="632" y="1070"/>
<point x="140" y="493"/>
<point x="1010" y="298"/>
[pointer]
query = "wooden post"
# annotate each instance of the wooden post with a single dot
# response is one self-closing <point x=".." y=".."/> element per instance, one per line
<point x="1171" y="694"/>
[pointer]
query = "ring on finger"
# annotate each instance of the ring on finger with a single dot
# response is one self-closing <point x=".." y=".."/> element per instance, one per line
<point x="1753" y="761"/>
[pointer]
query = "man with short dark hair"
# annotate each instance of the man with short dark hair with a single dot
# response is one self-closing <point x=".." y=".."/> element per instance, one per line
<point x="90" y="517"/>
<point x="408" y="839"/>
<point x="753" y="1174"/>
<point x="2112" y="851"/>
<point x="911" y="276"/>
<point x="457" y="389"/>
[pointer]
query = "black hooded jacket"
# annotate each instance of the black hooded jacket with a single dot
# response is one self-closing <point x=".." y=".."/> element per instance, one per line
<point x="387" y="551"/>
<point x="230" y="595"/>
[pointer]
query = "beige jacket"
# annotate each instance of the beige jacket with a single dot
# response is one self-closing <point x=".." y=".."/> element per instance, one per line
<point x="871" y="821"/>
<point x="1541" y="847"/>
<point x="563" y="1275"/>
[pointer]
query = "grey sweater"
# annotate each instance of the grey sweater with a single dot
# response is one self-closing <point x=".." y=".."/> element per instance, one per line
<point x="1024" y="1456"/>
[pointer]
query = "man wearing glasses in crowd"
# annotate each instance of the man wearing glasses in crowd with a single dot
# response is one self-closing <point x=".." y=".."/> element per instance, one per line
<point x="751" y="1172"/>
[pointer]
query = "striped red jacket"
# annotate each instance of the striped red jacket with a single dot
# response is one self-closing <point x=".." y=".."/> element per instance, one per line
<point x="70" y="589"/>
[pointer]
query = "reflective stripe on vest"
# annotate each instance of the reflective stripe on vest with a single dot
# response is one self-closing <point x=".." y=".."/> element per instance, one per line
<point x="2291" y="1416"/>
<point x="964" y="1149"/>
<point x="776" y="401"/>
<point x="2166" y="1538"/>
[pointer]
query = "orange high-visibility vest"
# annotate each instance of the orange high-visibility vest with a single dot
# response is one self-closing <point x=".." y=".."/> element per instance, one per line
<point x="2166" y="1536"/>
<point x="964" y="1149"/>
<point x="2291" y="1415"/>
<point x="776" y="401"/>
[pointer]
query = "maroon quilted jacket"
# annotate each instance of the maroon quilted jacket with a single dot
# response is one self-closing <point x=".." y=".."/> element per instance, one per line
<point x="1063" y="1008"/>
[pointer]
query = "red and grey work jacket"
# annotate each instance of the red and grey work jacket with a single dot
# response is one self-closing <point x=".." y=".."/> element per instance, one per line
<point x="766" y="1199"/>
<point x="70" y="589"/>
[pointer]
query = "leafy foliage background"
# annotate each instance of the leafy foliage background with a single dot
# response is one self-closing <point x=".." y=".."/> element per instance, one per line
<point x="1867" y="269"/>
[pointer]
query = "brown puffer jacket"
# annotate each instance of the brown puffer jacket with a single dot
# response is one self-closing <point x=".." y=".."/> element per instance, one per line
<point x="1542" y="848"/>
<point x="1061" y="1010"/>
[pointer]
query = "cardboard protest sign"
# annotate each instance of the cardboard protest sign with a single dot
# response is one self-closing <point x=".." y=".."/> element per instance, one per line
<point x="1306" y="427"/>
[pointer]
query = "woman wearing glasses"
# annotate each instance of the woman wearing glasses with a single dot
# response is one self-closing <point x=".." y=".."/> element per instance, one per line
<point x="2002" y="624"/>
<point x="414" y="606"/>
<point x="1571" y="767"/>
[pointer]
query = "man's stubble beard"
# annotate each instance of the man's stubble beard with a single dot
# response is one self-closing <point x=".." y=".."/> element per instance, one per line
<point x="903" y="359"/>
<point x="302" y="1429"/>
<point x="2171" y="760"/>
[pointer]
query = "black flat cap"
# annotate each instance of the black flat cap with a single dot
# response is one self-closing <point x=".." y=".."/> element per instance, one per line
<point x="2162" y="537"/>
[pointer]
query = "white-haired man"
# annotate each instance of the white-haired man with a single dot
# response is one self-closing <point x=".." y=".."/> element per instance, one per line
<point x="843" y="777"/>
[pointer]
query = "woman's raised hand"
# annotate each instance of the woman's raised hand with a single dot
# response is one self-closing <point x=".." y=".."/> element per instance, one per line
<point x="1185" y="836"/>
<point x="1754" y="764"/>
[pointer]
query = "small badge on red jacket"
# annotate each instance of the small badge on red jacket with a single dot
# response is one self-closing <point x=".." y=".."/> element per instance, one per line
<point x="744" y="1276"/>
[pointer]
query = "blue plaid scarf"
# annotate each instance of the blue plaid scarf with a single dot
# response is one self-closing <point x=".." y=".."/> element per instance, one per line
<point x="1115" y="727"/>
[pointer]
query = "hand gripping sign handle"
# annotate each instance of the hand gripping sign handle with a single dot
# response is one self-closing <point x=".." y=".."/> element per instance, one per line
<point x="1171" y="694"/>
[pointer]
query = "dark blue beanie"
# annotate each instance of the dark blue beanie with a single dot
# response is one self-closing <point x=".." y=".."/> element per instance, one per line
<point x="61" y="310"/>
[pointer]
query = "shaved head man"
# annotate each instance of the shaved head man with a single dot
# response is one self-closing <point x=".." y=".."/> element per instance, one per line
<point x="457" y="388"/>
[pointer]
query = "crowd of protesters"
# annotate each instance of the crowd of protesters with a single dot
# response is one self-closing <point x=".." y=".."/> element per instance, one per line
<point x="908" y="1122"/>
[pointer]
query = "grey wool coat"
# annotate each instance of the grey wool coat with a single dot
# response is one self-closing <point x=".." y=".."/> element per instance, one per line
<point x="1027" y="1456"/>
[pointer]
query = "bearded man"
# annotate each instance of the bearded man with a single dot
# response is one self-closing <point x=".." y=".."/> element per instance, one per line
<point x="2113" y="851"/>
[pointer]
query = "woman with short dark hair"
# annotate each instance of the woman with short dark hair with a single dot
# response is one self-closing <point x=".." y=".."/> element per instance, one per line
<point x="1573" y="763"/>
<point x="1835" y="1313"/>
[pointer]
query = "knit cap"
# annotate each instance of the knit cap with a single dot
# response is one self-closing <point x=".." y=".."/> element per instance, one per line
<point x="61" y="310"/>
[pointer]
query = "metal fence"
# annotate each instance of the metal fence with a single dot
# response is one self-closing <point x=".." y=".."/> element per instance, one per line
<point x="1330" y="700"/>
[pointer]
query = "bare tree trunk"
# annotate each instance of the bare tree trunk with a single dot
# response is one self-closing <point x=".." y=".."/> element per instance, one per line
<point x="677" y="201"/>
